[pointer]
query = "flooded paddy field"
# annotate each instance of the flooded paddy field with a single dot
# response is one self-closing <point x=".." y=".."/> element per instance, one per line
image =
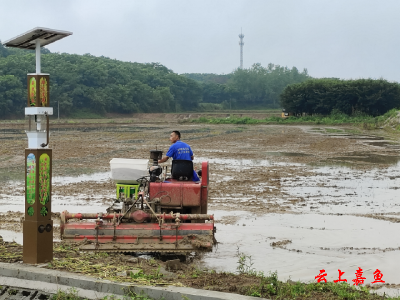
<point x="297" y="199"/>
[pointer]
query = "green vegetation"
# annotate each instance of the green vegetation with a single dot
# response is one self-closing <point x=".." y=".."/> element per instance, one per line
<point x="95" y="85"/>
<point x="245" y="263"/>
<point x="86" y="86"/>
<point x="270" y="287"/>
<point x="257" y="87"/>
<point x="12" y="292"/>
<point x="335" y="118"/>
<point x="102" y="265"/>
<point x="71" y="294"/>
<point x="134" y="296"/>
<point x="11" y="93"/>
<point x="351" y="97"/>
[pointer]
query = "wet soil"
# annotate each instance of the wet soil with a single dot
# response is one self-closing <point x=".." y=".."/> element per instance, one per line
<point x="248" y="163"/>
<point x="146" y="270"/>
<point x="300" y="175"/>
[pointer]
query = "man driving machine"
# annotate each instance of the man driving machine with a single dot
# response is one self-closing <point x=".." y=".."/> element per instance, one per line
<point x="179" y="151"/>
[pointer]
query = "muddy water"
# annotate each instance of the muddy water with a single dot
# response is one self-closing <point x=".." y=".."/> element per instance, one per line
<point x="331" y="192"/>
<point x="333" y="226"/>
<point x="98" y="177"/>
<point x="347" y="190"/>
<point x="14" y="201"/>
<point x="316" y="242"/>
<point x="11" y="236"/>
<point x="61" y="203"/>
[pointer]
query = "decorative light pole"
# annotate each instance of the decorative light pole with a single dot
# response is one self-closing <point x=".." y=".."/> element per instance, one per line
<point x="37" y="226"/>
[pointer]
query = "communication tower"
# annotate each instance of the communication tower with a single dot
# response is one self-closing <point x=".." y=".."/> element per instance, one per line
<point x="241" y="43"/>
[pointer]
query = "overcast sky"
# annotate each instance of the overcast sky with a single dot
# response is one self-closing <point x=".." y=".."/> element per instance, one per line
<point x="331" y="38"/>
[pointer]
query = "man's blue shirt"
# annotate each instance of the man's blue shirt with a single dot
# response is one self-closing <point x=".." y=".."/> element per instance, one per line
<point x="180" y="150"/>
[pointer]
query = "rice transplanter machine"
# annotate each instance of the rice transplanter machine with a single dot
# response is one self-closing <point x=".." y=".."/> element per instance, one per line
<point x="151" y="213"/>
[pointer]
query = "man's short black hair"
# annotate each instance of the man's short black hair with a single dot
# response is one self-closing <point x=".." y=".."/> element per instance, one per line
<point x="177" y="133"/>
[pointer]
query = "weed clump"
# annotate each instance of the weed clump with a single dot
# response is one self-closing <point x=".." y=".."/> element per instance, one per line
<point x="269" y="286"/>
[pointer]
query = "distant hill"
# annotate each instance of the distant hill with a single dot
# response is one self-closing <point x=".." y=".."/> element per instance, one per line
<point x="95" y="84"/>
<point x="89" y="85"/>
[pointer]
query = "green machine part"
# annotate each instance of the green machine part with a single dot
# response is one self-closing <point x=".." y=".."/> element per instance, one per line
<point x="130" y="190"/>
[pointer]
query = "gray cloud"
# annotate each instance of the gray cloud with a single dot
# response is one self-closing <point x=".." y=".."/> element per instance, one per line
<point x="346" y="39"/>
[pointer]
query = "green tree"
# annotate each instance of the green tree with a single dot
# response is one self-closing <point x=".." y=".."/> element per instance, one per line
<point x="261" y="87"/>
<point x="11" y="95"/>
<point x="321" y="96"/>
<point x="100" y="84"/>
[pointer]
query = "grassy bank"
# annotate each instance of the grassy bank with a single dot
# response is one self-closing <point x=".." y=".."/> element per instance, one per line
<point x="335" y="118"/>
<point x="136" y="270"/>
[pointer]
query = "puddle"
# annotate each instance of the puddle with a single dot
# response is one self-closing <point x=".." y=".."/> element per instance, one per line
<point x="80" y="203"/>
<point x="366" y="137"/>
<point x="317" y="242"/>
<point x="386" y="144"/>
<point x="241" y="164"/>
<point x="98" y="177"/>
<point x="290" y="154"/>
<point x="368" y="158"/>
<point x="11" y="236"/>
<point x="349" y="133"/>
<point x="72" y="203"/>
<point x="229" y="162"/>
<point x="340" y="135"/>
<point x="342" y="189"/>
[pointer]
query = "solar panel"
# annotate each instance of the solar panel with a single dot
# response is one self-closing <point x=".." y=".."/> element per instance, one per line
<point x="45" y="35"/>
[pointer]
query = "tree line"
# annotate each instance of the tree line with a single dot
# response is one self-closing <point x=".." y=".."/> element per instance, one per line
<point x="95" y="84"/>
<point x="352" y="97"/>
<point x="256" y="87"/>
<point x="103" y="85"/>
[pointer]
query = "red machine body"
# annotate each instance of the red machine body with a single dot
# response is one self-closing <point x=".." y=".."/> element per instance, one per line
<point x="189" y="196"/>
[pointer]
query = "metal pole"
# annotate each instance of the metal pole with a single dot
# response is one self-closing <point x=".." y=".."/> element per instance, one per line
<point x="38" y="56"/>
<point x="58" y="102"/>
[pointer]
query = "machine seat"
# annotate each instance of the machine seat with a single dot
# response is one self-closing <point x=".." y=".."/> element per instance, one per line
<point x="182" y="169"/>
